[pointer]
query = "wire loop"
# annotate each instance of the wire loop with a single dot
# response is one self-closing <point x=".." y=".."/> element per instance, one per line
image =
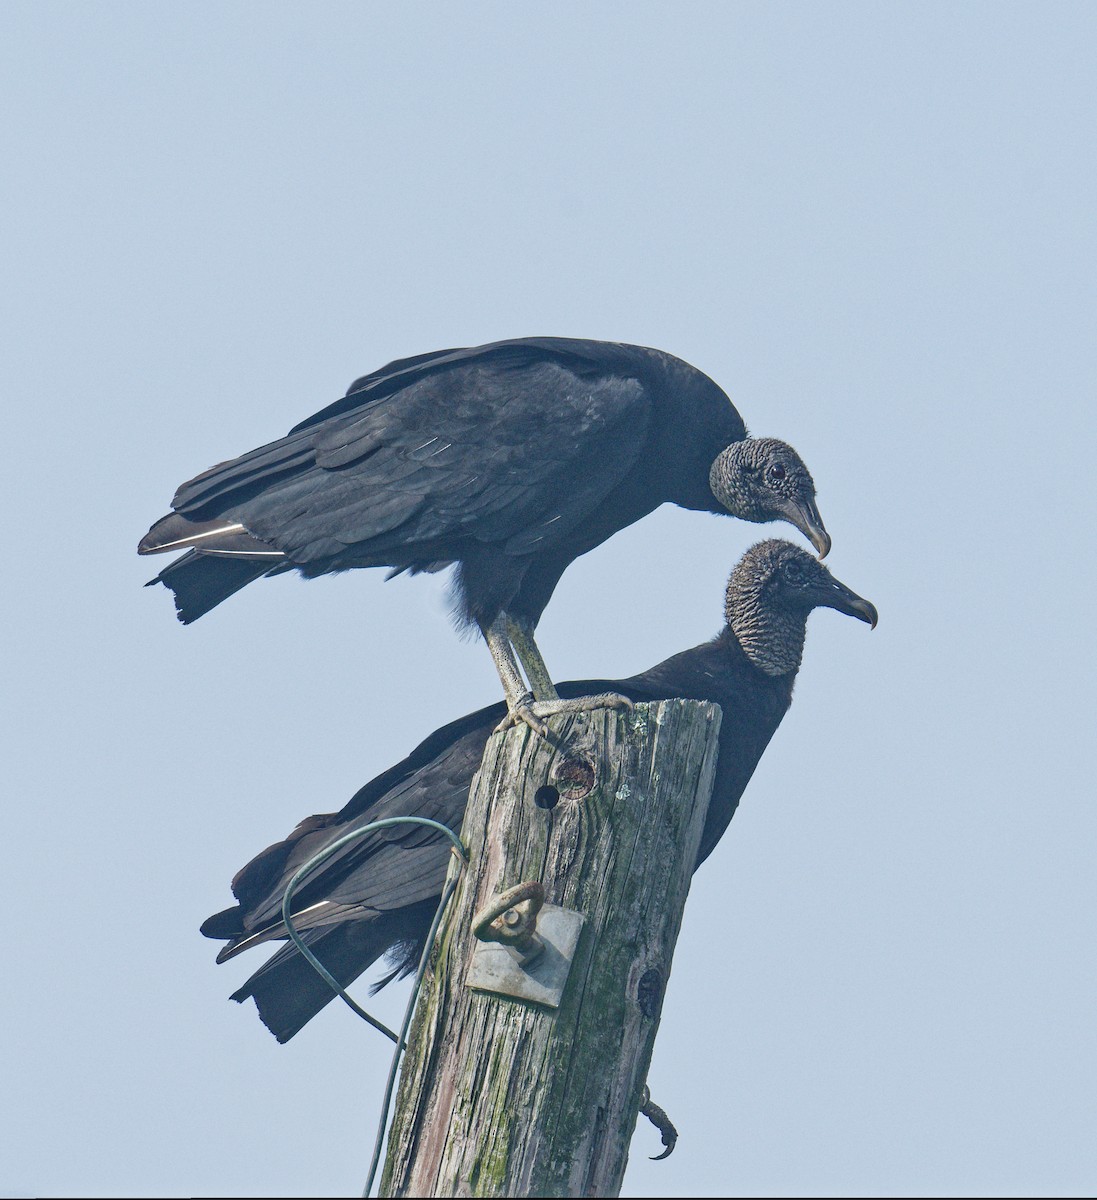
<point x="400" y="1039"/>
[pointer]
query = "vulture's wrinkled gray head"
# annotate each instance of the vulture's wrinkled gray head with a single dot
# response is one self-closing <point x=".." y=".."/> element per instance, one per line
<point x="763" y="479"/>
<point x="769" y="596"/>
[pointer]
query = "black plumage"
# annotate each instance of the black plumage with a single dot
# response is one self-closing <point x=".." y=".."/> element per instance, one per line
<point x="509" y="460"/>
<point x="377" y="895"/>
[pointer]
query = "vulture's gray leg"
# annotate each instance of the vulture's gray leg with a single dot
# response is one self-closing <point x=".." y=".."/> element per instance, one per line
<point x="546" y="700"/>
<point x="520" y="633"/>
<point x="519" y="697"/>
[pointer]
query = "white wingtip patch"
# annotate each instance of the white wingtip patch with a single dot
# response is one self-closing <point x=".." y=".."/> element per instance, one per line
<point x="194" y="538"/>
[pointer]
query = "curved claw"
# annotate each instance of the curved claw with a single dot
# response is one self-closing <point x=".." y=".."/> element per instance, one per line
<point x="661" y="1122"/>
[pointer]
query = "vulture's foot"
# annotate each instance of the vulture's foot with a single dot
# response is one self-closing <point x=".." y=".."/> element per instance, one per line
<point x="523" y="710"/>
<point x="534" y="712"/>
<point x="662" y="1122"/>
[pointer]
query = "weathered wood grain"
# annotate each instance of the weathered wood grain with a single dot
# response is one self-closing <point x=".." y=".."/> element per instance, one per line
<point x="503" y="1098"/>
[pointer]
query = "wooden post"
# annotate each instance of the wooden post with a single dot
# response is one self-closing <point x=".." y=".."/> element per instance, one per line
<point x="502" y="1097"/>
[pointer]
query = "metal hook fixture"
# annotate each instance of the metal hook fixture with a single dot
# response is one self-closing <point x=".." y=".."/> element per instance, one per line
<point x="535" y="945"/>
<point x="511" y="920"/>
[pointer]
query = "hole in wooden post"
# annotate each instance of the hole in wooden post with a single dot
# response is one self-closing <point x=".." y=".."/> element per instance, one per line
<point x="546" y="797"/>
<point x="649" y="992"/>
<point x="574" y="777"/>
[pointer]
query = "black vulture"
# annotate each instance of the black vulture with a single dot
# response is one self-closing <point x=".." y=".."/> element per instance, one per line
<point x="377" y="895"/>
<point x="510" y="460"/>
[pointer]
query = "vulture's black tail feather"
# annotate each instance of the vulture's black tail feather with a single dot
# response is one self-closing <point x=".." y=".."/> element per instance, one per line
<point x="287" y="991"/>
<point x="200" y="582"/>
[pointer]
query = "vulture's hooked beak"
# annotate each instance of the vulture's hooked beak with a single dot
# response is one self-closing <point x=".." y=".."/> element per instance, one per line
<point x="805" y="516"/>
<point x="836" y="595"/>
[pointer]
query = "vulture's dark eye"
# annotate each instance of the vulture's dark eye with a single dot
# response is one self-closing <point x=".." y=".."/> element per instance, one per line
<point x="793" y="573"/>
<point x="776" y="473"/>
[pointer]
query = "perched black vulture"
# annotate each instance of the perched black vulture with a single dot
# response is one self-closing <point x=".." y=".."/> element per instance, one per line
<point x="510" y="460"/>
<point x="377" y="895"/>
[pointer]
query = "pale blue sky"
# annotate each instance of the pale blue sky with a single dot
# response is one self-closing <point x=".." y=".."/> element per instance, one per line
<point x="874" y="226"/>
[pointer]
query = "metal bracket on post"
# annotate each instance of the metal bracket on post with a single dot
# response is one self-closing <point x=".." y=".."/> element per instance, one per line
<point x="525" y="946"/>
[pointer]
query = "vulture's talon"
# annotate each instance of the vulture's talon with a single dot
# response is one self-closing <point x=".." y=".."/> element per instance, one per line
<point x="534" y="712"/>
<point x="662" y="1122"/>
<point x="524" y="711"/>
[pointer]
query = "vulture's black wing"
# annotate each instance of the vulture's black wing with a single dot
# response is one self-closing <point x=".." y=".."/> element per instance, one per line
<point x="380" y="872"/>
<point x="511" y="444"/>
